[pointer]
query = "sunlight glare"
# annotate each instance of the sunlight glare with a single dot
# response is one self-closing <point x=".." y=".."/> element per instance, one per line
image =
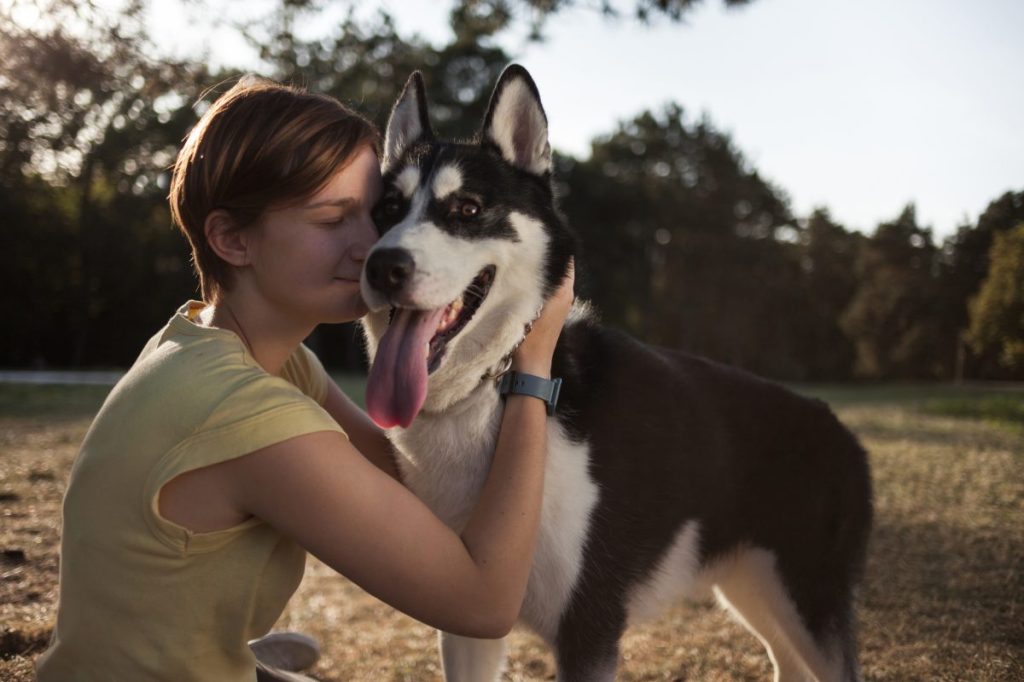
<point x="23" y="14"/>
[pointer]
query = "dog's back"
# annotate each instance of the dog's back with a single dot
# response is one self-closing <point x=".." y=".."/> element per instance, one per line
<point x="684" y="447"/>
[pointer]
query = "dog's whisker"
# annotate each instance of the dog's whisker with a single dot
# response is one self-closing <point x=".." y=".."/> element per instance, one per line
<point x="475" y="291"/>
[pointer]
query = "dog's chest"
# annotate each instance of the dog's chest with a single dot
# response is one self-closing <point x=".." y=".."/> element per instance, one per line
<point x="445" y="460"/>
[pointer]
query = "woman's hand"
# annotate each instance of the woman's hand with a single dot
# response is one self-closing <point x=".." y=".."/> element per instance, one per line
<point x="534" y="354"/>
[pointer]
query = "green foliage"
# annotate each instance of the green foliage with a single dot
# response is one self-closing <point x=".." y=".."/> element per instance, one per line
<point x="366" y="65"/>
<point x="893" y="317"/>
<point x="685" y="244"/>
<point x="995" y="403"/>
<point x="51" y="401"/>
<point x="967" y="265"/>
<point x="83" y="170"/>
<point x="1006" y="409"/>
<point x="829" y="256"/>
<point x="683" y="238"/>
<point x="997" y="312"/>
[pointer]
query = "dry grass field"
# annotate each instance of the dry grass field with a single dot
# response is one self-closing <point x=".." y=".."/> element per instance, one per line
<point x="943" y="597"/>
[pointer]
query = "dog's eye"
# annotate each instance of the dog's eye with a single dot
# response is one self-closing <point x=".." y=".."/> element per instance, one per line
<point x="391" y="207"/>
<point x="466" y="208"/>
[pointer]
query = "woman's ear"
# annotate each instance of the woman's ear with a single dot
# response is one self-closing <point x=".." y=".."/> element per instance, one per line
<point x="226" y="240"/>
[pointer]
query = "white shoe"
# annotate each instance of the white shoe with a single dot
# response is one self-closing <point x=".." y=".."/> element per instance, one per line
<point x="291" y="651"/>
<point x="265" y="673"/>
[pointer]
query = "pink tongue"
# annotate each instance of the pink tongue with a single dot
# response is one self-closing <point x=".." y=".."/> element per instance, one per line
<point x="397" y="385"/>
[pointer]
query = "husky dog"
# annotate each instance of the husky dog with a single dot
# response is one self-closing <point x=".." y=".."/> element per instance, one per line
<point x="667" y="476"/>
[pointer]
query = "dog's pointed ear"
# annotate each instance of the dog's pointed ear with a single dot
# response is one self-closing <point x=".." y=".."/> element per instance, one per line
<point x="409" y="121"/>
<point x="516" y="124"/>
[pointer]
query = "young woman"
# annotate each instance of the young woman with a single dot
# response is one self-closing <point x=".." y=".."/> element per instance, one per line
<point x="226" y="452"/>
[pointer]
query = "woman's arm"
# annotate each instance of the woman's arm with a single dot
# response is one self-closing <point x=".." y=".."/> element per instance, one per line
<point x="321" y="491"/>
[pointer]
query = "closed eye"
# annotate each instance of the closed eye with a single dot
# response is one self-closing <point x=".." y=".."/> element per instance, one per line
<point x="335" y="221"/>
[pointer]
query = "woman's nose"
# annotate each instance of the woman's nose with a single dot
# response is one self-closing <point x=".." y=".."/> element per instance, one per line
<point x="367" y="238"/>
<point x="359" y="252"/>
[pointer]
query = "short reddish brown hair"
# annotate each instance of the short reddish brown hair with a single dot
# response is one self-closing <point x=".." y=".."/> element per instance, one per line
<point x="259" y="145"/>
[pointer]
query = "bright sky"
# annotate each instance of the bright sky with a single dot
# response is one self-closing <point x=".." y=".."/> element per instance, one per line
<point x="858" y="105"/>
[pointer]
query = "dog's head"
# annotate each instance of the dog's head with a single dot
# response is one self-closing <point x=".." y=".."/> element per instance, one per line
<point x="471" y="246"/>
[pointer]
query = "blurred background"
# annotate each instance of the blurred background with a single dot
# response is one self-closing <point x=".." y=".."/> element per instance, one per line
<point x="811" y="190"/>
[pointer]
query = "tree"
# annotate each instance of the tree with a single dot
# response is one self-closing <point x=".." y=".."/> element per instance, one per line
<point x="893" y="318"/>
<point x="686" y="242"/>
<point x="84" y="163"/>
<point x="829" y="256"/>
<point x="367" y="64"/>
<point x="688" y="246"/>
<point x="997" y="312"/>
<point x="966" y="263"/>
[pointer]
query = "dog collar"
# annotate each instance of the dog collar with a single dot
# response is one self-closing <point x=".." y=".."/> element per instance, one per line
<point x="501" y="371"/>
<point x="528" y="384"/>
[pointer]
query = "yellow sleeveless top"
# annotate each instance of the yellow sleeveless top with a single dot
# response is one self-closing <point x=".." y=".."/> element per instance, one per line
<point x="142" y="598"/>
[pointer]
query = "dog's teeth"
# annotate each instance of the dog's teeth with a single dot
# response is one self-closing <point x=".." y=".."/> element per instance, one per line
<point x="450" y="315"/>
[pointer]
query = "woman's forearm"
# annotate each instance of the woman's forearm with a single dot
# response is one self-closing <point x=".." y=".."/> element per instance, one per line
<point x="502" y="532"/>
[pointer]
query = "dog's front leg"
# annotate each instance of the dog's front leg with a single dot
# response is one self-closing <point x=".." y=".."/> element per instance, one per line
<point x="471" y="660"/>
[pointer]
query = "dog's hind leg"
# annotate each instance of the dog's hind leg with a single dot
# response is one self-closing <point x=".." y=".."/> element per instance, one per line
<point x="600" y="668"/>
<point x="750" y="589"/>
<point x="587" y="646"/>
<point x="471" y="660"/>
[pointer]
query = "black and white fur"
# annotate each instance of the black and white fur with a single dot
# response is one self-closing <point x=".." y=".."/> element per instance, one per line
<point x="668" y="475"/>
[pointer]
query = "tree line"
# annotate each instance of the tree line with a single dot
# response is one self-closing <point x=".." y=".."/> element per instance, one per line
<point x="684" y="243"/>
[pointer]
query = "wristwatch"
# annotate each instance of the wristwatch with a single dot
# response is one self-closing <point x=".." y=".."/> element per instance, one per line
<point x="528" y="384"/>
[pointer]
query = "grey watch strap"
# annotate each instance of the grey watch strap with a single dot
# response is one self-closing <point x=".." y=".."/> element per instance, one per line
<point x="528" y="384"/>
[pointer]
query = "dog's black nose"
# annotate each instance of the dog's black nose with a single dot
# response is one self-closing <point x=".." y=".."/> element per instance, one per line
<point x="388" y="270"/>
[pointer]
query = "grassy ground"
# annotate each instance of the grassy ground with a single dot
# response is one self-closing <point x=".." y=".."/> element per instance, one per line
<point x="943" y="597"/>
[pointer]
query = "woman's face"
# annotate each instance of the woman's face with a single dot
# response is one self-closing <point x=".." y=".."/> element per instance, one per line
<point x="306" y="259"/>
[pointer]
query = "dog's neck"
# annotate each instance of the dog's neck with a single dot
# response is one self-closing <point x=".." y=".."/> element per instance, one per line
<point x="488" y="381"/>
<point x="495" y="373"/>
